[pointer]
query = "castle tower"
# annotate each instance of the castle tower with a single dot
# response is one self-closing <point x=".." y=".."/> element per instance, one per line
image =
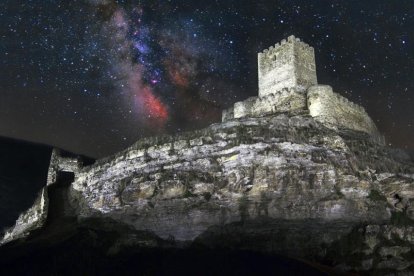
<point x="290" y="64"/>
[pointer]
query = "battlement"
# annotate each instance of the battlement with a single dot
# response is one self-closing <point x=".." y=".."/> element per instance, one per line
<point x="291" y="39"/>
<point x="288" y="64"/>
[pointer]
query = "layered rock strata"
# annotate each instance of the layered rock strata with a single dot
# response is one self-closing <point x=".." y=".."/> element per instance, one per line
<point x="299" y="171"/>
<point x="284" y="184"/>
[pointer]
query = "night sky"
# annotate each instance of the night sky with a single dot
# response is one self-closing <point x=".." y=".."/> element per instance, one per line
<point x="93" y="76"/>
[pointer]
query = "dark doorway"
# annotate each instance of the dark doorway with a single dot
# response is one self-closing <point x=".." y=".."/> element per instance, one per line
<point x="64" y="179"/>
<point x="59" y="206"/>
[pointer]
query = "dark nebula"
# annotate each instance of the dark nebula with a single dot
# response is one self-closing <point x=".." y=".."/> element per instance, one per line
<point x="93" y="76"/>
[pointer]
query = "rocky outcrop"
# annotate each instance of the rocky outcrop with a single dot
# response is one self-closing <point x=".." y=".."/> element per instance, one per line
<point x="284" y="184"/>
<point x="272" y="177"/>
<point x="31" y="220"/>
<point x="23" y="170"/>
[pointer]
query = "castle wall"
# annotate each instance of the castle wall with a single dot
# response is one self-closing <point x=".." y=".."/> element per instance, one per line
<point x="335" y="111"/>
<point x="305" y="68"/>
<point x="284" y="100"/>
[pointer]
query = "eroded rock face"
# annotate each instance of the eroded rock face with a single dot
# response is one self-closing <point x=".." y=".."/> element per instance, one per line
<point x="308" y="182"/>
<point x="33" y="219"/>
<point x="385" y="248"/>
<point x="283" y="184"/>
<point x="247" y="183"/>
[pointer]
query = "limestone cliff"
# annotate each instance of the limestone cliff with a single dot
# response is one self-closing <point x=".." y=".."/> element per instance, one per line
<point x="282" y="183"/>
<point x="293" y="180"/>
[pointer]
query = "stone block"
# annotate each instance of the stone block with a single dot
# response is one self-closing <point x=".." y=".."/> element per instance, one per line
<point x="243" y="109"/>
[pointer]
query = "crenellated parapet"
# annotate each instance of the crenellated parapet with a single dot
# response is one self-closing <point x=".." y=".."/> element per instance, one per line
<point x="281" y="52"/>
<point x="291" y="39"/>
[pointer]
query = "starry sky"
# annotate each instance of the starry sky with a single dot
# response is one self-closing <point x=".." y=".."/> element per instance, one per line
<point x="93" y="76"/>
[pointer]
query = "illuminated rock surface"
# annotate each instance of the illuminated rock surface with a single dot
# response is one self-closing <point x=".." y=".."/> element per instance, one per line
<point x="299" y="171"/>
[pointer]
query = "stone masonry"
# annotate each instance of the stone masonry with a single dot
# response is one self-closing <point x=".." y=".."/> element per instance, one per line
<point x="296" y="171"/>
<point x="290" y="64"/>
<point x="288" y="83"/>
<point x="61" y="163"/>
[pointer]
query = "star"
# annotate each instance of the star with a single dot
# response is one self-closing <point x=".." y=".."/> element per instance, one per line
<point x="154" y="67"/>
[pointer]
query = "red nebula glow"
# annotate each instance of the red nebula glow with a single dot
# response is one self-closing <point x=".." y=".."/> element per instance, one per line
<point x="151" y="110"/>
<point x="154" y="107"/>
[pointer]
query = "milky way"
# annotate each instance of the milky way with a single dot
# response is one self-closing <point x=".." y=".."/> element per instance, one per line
<point x="93" y="76"/>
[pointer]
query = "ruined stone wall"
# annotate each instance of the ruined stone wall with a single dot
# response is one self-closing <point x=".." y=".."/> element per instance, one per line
<point x="284" y="100"/>
<point x="59" y="163"/>
<point x="335" y="111"/>
<point x="286" y="65"/>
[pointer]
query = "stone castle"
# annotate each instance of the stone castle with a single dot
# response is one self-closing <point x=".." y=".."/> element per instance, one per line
<point x="298" y="170"/>
<point x="288" y="83"/>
